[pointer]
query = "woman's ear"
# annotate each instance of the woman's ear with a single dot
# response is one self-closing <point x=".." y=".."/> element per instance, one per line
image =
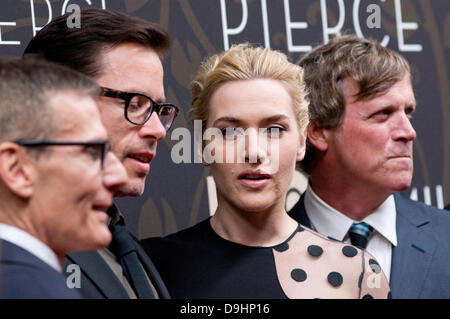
<point x="17" y="171"/>
<point x="207" y="149"/>
<point x="301" y="149"/>
<point x="318" y="137"/>
<point x="200" y="151"/>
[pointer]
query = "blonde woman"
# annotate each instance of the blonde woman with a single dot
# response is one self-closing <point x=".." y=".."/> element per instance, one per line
<point x="252" y="101"/>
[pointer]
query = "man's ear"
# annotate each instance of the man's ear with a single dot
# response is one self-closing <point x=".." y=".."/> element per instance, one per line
<point x="318" y="137"/>
<point x="16" y="169"/>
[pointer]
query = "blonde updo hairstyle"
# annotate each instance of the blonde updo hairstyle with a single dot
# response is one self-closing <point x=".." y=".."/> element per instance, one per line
<point x="246" y="62"/>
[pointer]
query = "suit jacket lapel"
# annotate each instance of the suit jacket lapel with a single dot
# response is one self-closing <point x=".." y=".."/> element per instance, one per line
<point x="100" y="274"/>
<point x="411" y="259"/>
<point x="152" y="272"/>
<point x="146" y="262"/>
<point x="298" y="212"/>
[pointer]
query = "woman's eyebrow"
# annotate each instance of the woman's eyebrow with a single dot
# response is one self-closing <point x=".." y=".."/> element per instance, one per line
<point x="227" y="119"/>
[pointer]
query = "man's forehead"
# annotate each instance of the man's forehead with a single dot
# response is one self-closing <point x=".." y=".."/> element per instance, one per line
<point x="76" y="113"/>
<point x="351" y="90"/>
<point x="128" y="54"/>
<point x="132" y="68"/>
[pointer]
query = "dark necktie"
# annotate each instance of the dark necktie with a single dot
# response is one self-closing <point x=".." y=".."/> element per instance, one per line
<point x="359" y="234"/>
<point x="124" y="247"/>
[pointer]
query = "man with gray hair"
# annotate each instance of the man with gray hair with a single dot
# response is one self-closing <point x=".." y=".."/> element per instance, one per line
<point x="51" y="138"/>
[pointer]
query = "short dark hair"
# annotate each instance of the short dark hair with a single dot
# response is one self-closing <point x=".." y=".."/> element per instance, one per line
<point x="80" y="48"/>
<point x="373" y="67"/>
<point x="26" y="86"/>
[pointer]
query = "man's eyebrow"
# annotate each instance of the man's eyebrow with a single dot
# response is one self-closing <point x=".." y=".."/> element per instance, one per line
<point x="159" y="101"/>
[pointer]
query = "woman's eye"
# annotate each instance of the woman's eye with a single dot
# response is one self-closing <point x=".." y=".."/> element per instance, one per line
<point x="274" y="131"/>
<point x="232" y="132"/>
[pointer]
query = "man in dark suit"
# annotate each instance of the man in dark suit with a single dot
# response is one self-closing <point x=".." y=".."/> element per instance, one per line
<point x="360" y="155"/>
<point x="123" y="55"/>
<point x="51" y="137"/>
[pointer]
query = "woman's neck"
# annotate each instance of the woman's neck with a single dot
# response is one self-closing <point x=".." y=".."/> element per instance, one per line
<point x="263" y="228"/>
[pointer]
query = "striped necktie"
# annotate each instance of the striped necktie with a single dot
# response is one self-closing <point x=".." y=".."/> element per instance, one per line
<point x="359" y="234"/>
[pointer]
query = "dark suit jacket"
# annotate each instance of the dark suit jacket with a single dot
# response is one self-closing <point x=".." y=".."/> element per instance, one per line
<point x="421" y="261"/>
<point x="23" y="275"/>
<point x="98" y="280"/>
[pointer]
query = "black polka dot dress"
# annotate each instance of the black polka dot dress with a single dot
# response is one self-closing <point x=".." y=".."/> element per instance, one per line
<point x="197" y="263"/>
<point x="314" y="266"/>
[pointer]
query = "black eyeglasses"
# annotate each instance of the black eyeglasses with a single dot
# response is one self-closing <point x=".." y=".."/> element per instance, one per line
<point x="96" y="149"/>
<point x="139" y="107"/>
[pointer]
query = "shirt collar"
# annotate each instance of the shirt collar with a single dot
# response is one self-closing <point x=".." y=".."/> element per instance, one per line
<point x="31" y="244"/>
<point x="383" y="220"/>
<point x="329" y="221"/>
<point x="115" y="216"/>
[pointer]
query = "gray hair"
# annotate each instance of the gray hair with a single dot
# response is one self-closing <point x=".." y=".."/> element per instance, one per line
<point x="25" y="88"/>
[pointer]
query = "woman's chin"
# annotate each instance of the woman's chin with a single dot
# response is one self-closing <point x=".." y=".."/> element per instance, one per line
<point x="256" y="206"/>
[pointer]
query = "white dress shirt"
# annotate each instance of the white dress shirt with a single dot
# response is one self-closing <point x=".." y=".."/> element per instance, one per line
<point x="31" y="244"/>
<point x="330" y="222"/>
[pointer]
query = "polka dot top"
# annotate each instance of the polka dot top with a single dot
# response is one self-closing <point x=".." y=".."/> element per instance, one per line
<point x="198" y="263"/>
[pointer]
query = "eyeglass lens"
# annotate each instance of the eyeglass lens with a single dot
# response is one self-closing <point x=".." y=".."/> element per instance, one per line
<point x="98" y="152"/>
<point x="166" y="115"/>
<point x="139" y="108"/>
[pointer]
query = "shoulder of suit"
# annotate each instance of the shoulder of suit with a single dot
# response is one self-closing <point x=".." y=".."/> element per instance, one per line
<point x="434" y="213"/>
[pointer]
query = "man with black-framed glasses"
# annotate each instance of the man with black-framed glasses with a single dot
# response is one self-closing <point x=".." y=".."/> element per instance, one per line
<point x="51" y="139"/>
<point x="139" y="107"/>
<point x="123" y="55"/>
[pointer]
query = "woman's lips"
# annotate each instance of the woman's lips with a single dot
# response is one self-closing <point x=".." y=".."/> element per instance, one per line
<point x="254" y="183"/>
<point x="253" y="178"/>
